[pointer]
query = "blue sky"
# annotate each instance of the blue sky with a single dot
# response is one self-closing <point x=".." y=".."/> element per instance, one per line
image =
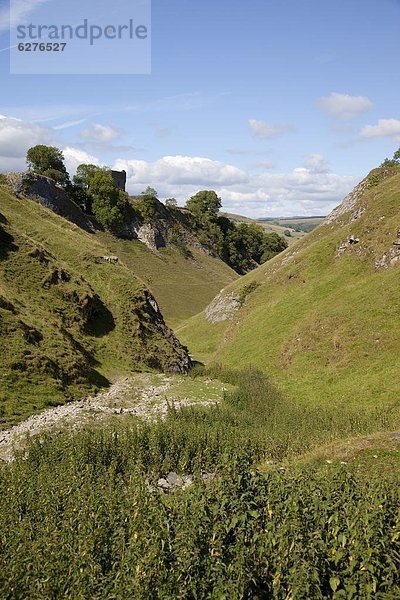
<point x="281" y="106"/>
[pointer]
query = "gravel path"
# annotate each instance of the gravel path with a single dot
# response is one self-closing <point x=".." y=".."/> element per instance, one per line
<point x="128" y="396"/>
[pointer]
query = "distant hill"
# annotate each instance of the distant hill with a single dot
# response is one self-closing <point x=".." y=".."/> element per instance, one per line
<point x="290" y="228"/>
<point x="238" y="218"/>
<point x="323" y="317"/>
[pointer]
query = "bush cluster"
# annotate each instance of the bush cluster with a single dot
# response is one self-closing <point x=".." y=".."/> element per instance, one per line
<point x="244" y="246"/>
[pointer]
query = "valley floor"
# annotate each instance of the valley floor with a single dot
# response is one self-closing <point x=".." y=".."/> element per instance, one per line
<point x="147" y="396"/>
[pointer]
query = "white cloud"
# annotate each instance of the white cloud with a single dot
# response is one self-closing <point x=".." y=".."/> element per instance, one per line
<point x="100" y="133"/>
<point x="304" y="190"/>
<point x="343" y="106"/>
<point x="21" y="9"/>
<point x="180" y="171"/>
<point x="264" y="130"/>
<point x="16" y="137"/>
<point x="309" y="189"/>
<point x="316" y="163"/>
<point x="384" y="128"/>
<point x="76" y="156"/>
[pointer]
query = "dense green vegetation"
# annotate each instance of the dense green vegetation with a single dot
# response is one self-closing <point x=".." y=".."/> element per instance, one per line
<point x="108" y="203"/>
<point x="241" y="245"/>
<point x="81" y="516"/>
<point x="95" y="191"/>
<point x="147" y="205"/>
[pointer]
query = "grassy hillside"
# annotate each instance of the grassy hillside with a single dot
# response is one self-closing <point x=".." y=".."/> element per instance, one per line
<point x="323" y="321"/>
<point x="183" y="285"/>
<point x="68" y="320"/>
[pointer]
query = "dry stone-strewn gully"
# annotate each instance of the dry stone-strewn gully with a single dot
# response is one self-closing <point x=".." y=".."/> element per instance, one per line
<point x="125" y="397"/>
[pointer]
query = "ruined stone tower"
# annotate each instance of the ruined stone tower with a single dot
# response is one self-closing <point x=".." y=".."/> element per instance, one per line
<point x="119" y="179"/>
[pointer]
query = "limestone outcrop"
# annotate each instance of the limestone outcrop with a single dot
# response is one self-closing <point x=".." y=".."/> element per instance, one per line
<point x="45" y="191"/>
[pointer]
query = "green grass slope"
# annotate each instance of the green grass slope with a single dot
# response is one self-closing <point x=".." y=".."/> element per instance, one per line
<point x="322" y="322"/>
<point x="182" y="285"/>
<point x="68" y="320"/>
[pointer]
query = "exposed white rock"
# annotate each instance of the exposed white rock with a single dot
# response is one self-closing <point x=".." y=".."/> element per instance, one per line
<point x="391" y="257"/>
<point x="222" y="308"/>
<point x="349" y="204"/>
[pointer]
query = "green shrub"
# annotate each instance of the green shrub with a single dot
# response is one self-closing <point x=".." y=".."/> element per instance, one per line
<point x="148" y="207"/>
<point x="55" y="175"/>
<point x="247" y="290"/>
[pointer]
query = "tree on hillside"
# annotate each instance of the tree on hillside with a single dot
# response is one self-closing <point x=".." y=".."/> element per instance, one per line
<point x="147" y="205"/>
<point x="83" y="174"/>
<point x="394" y="162"/>
<point x="204" y="205"/>
<point x="109" y="203"/>
<point x="171" y="203"/>
<point x="272" y="245"/>
<point x="246" y="245"/>
<point x="79" y="190"/>
<point x="210" y="235"/>
<point x="48" y="161"/>
<point x="242" y="246"/>
<point x="149" y="191"/>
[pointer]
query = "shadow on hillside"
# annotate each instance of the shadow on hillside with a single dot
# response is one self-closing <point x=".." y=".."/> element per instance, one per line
<point x="79" y="348"/>
<point x="93" y="376"/>
<point x="6" y="244"/>
<point x="101" y="320"/>
<point x="197" y="363"/>
<point x="97" y="379"/>
<point x="3" y="220"/>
